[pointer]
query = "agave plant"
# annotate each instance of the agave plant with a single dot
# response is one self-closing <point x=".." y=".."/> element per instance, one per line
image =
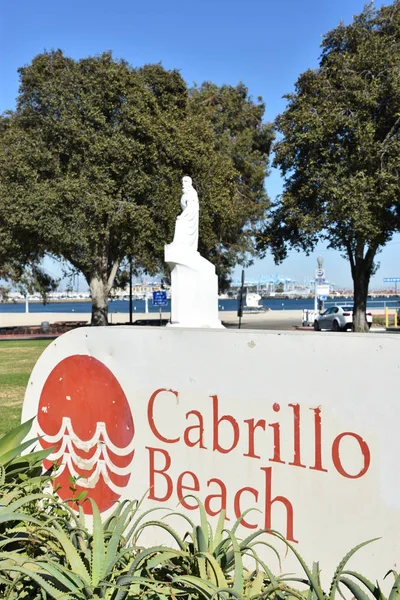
<point x="22" y="483"/>
<point x="73" y="562"/>
<point x="209" y="564"/>
<point x="14" y="466"/>
<point x="79" y="563"/>
<point x="360" y="587"/>
<point x="47" y="551"/>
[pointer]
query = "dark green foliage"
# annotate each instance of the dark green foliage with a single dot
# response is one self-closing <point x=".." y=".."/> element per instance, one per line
<point x="243" y="141"/>
<point x="93" y="157"/>
<point x="340" y="149"/>
<point x="17" y="248"/>
<point x="33" y="279"/>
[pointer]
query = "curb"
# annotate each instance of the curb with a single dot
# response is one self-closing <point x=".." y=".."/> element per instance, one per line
<point x="27" y="336"/>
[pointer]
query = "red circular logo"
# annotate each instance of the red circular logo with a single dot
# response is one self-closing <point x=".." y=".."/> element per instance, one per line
<point x="83" y="412"/>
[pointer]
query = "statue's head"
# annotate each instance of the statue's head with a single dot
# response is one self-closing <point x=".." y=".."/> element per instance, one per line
<point x="186" y="183"/>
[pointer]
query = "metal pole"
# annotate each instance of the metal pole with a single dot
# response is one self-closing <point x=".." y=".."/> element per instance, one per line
<point x="130" y="292"/>
<point x="240" y="307"/>
<point x="315" y="296"/>
<point x="160" y="316"/>
<point x="146" y="300"/>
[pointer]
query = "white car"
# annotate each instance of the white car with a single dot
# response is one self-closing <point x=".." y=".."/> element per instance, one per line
<point x="337" y="318"/>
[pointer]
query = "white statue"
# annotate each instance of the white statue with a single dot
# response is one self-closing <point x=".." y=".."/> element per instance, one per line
<point x="187" y="223"/>
<point x="194" y="283"/>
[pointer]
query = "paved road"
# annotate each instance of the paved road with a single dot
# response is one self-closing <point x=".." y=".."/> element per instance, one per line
<point x="281" y="320"/>
<point x="273" y="320"/>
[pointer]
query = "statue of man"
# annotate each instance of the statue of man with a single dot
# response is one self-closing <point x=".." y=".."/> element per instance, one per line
<point x="187" y="223"/>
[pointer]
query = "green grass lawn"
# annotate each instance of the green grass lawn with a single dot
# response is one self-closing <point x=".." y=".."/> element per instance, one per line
<point x="17" y="359"/>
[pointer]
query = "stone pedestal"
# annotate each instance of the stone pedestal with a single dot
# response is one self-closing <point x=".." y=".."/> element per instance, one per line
<point x="194" y="288"/>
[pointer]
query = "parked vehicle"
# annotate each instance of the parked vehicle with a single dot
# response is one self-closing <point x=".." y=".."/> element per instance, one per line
<point x="337" y="318"/>
<point x="148" y="322"/>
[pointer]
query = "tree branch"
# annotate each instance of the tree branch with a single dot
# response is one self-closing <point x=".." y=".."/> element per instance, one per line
<point x="113" y="273"/>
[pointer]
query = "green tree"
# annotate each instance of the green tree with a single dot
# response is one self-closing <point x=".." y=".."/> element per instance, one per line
<point x="339" y="150"/>
<point x="244" y="141"/>
<point x="97" y="152"/>
<point x="34" y="279"/>
<point x="20" y="254"/>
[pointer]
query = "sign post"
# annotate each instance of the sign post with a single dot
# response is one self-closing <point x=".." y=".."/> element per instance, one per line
<point x="319" y="279"/>
<point x="394" y="280"/>
<point x="240" y="300"/>
<point x="130" y="291"/>
<point x="160" y="299"/>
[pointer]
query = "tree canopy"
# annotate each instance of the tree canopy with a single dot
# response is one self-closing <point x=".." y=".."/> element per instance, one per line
<point x="20" y="254"/>
<point x="339" y="150"/>
<point x="93" y="155"/>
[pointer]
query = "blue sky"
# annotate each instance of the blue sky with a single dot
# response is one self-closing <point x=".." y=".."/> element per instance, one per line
<point x="264" y="43"/>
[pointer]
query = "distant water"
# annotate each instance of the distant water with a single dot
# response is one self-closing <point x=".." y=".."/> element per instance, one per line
<point x="122" y="306"/>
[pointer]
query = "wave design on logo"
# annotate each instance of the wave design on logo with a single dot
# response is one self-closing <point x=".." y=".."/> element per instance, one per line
<point x="70" y="451"/>
<point x="85" y="417"/>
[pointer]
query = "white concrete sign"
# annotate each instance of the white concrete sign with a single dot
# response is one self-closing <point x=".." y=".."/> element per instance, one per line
<point x="296" y="425"/>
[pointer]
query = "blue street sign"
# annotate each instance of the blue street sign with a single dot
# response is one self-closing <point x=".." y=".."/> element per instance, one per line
<point x="160" y="298"/>
<point x="391" y="279"/>
<point x="323" y="298"/>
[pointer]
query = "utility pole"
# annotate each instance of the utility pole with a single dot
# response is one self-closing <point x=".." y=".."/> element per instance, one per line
<point x="240" y="301"/>
<point x="319" y="278"/>
<point x="146" y="299"/>
<point x="130" y="291"/>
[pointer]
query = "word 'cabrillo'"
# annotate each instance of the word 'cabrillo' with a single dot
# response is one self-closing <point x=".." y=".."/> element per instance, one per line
<point x="241" y="436"/>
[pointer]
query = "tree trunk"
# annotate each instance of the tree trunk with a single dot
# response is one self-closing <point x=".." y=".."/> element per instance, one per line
<point x="361" y="275"/>
<point x="99" y="291"/>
